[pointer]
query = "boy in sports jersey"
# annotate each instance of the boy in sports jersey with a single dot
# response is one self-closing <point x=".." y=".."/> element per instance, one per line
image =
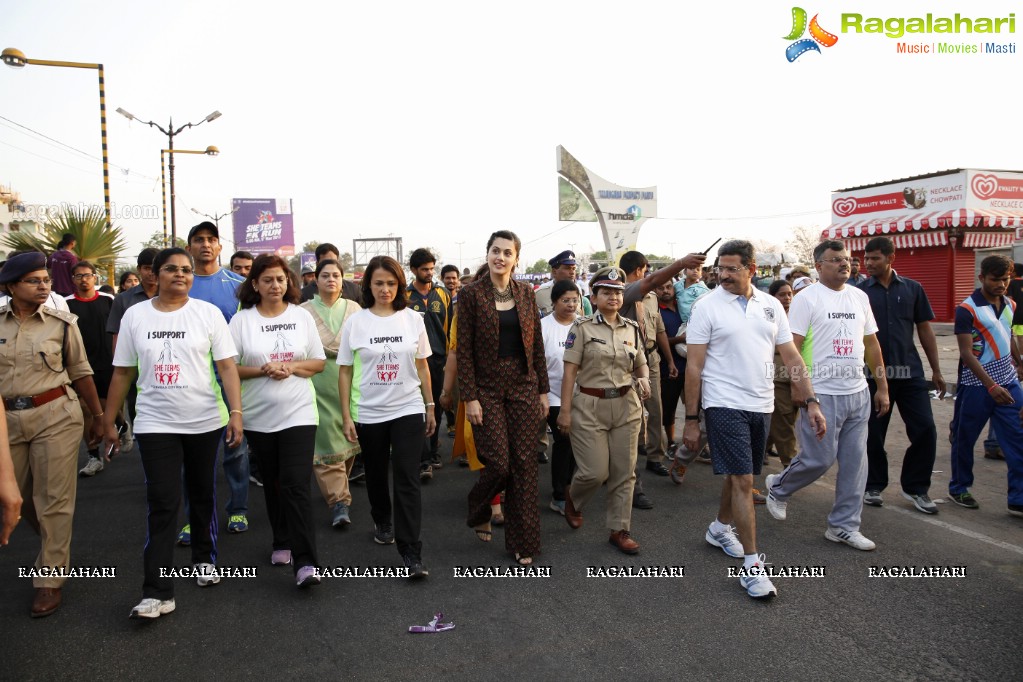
<point x="989" y="383"/>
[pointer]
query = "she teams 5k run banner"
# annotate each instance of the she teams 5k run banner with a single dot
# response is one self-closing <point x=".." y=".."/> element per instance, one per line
<point x="264" y="226"/>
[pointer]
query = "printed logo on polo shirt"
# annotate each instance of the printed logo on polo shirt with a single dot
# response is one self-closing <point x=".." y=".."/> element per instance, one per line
<point x="769" y="314"/>
<point x="167" y="370"/>
<point x="282" y="347"/>
<point x="435" y="306"/>
<point x="387" y="365"/>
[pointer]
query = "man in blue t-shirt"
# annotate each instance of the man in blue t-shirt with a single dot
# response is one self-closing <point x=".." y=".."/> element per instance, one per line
<point x="219" y="286"/>
<point x="989" y="383"/>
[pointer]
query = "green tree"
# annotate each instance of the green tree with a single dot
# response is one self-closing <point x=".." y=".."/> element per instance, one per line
<point x="95" y="243"/>
<point x="539" y="268"/>
<point x="156" y="242"/>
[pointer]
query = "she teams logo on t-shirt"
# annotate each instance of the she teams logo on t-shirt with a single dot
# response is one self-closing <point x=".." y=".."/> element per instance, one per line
<point x="166" y="371"/>
<point x="388" y="366"/>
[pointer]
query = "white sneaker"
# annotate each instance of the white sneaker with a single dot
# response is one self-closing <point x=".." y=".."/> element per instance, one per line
<point x="152" y="608"/>
<point x="774" y="505"/>
<point x="727" y="540"/>
<point x="92" y="467"/>
<point x="207" y="575"/>
<point x="853" y="539"/>
<point x="758" y="585"/>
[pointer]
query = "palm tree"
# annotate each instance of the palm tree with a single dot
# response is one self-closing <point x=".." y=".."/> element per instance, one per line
<point x="95" y="243"/>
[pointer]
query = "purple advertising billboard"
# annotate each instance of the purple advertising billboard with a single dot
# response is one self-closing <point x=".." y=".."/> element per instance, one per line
<point x="264" y="226"/>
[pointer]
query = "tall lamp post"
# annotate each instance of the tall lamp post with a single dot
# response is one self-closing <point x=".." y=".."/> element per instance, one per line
<point x="16" y="58"/>
<point x="210" y="151"/>
<point x="170" y="132"/>
<point x="459" y="257"/>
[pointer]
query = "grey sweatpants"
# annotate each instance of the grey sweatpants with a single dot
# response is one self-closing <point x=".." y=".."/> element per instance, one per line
<point x="846" y="441"/>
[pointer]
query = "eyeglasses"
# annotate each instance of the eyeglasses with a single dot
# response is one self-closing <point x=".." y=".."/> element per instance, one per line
<point x="35" y="281"/>
<point x="837" y="261"/>
<point x="729" y="269"/>
<point x="175" y="269"/>
<point x="84" y="275"/>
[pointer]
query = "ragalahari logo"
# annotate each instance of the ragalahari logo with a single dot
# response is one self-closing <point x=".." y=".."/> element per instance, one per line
<point x="802" y="45"/>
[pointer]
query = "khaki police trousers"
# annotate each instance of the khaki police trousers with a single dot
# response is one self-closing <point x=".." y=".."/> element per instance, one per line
<point x="44" y="446"/>
<point x="605" y="433"/>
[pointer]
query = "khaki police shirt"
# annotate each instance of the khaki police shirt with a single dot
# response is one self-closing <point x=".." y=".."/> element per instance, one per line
<point x="606" y="356"/>
<point x="654" y="324"/>
<point x="25" y="344"/>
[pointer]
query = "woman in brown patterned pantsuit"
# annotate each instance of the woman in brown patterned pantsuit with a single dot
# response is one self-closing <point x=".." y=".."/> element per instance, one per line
<point x="502" y="376"/>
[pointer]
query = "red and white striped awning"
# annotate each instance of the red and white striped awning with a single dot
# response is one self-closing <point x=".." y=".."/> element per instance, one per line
<point x="960" y="217"/>
<point x="987" y="240"/>
<point x="905" y="241"/>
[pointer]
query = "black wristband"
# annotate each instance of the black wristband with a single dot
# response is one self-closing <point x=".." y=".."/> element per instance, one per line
<point x="692" y="417"/>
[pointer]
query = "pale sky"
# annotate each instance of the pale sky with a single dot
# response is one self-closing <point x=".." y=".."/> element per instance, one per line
<point x="438" y="122"/>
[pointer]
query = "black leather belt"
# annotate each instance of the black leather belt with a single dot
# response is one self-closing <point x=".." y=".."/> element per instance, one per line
<point x="615" y="392"/>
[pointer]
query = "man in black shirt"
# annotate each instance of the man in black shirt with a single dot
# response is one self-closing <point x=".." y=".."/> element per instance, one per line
<point x="93" y="308"/>
<point x="349" y="289"/>
<point x="433" y="302"/>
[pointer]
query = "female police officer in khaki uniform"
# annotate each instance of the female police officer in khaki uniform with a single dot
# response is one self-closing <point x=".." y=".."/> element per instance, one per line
<point x="604" y="413"/>
<point x="41" y="356"/>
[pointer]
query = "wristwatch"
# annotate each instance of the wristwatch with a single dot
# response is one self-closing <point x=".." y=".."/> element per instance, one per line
<point x="812" y="399"/>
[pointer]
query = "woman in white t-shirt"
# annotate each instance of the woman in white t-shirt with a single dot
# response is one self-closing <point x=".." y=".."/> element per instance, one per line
<point x="565" y="298"/>
<point x="169" y="344"/>
<point x="278" y="351"/>
<point x="384" y="383"/>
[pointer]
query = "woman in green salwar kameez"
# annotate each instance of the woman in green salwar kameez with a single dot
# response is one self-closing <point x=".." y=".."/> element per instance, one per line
<point x="334" y="455"/>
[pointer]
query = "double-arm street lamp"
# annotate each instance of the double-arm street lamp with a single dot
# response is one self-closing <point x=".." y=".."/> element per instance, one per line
<point x="17" y="59"/>
<point x="170" y="132"/>
<point x="209" y="151"/>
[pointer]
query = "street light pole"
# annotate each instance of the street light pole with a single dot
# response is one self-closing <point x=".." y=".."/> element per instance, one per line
<point x="170" y="132"/>
<point x="459" y="257"/>
<point x="16" y="58"/>
<point x="209" y="151"/>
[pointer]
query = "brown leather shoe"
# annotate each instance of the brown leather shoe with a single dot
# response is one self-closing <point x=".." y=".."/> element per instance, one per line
<point x="574" y="517"/>
<point x="47" y="601"/>
<point x="623" y="541"/>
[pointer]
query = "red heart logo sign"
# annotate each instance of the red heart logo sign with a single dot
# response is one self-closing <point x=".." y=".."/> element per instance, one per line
<point x="844" y="207"/>
<point x="984" y="186"/>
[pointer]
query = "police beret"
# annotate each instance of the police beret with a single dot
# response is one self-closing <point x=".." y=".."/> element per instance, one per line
<point x="613" y="278"/>
<point x="563" y="258"/>
<point x="18" y="266"/>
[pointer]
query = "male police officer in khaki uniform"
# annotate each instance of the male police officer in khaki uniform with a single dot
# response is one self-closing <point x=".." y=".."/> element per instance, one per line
<point x="41" y="355"/>
<point x="604" y="415"/>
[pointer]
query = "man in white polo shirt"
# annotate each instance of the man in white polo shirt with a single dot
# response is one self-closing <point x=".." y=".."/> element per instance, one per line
<point x="733" y="332"/>
<point x="839" y="319"/>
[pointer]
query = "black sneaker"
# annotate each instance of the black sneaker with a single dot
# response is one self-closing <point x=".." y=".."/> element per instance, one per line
<point x="383" y="534"/>
<point x="964" y="500"/>
<point x="463" y="461"/>
<point x="435" y="461"/>
<point x="542" y="458"/>
<point x="425" y="472"/>
<point x="416" y="570"/>
<point x="358" y="472"/>
<point x="1016" y="509"/>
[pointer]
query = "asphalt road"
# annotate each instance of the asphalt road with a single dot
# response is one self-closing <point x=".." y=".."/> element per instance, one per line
<point x="845" y="625"/>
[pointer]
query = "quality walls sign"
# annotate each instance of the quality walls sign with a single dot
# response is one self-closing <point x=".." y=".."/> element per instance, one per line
<point x="621" y="211"/>
<point x="264" y="226"/>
